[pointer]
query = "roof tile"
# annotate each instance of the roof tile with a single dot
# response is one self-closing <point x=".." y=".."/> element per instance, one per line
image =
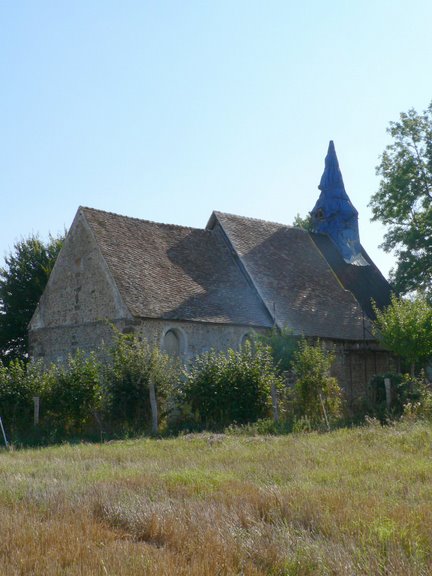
<point x="175" y="272"/>
<point x="294" y="279"/>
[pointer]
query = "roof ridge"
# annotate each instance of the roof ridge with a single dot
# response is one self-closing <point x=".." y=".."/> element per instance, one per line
<point x="217" y="212"/>
<point x="141" y="219"/>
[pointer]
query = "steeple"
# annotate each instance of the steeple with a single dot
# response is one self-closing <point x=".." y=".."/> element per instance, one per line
<point x="333" y="214"/>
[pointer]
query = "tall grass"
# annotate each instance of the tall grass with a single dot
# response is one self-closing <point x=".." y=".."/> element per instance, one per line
<point x="344" y="503"/>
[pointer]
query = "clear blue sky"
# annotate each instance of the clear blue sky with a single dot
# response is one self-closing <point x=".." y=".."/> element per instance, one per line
<point x="167" y="110"/>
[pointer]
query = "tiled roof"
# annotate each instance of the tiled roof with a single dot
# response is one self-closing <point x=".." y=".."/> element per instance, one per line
<point x="294" y="279"/>
<point x="365" y="282"/>
<point x="175" y="272"/>
<point x="238" y="271"/>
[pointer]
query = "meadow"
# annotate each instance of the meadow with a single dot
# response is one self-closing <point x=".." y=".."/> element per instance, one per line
<point x="349" y="502"/>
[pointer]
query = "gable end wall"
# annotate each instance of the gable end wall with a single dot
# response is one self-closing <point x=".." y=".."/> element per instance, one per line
<point x="80" y="293"/>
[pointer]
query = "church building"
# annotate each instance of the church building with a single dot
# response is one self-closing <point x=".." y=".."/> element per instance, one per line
<point x="189" y="290"/>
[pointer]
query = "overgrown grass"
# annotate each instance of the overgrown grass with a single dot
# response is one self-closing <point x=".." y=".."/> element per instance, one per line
<point x="344" y="503"/>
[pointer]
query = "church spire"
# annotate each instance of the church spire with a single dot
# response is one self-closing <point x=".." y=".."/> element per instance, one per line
<point x="333" y="214"/>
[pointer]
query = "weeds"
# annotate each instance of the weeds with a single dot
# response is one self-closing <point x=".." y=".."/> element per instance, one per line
<point x="351" y="502"/>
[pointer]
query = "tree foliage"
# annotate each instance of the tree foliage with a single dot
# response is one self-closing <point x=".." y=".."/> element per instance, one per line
<point x="132" y="366"/>
<point x="317" y="395"/>
<point x="283" y="344"/>
<point x="305" y="223"/>
<point x="405" y="327"/>
<point x="19" y="382"/>
<point x="72" y="394"/>
<point x="223" y="388"/>
<point x="22" y="282"/>
<point x="87" y="394"/>
<point x="403" y="202"/>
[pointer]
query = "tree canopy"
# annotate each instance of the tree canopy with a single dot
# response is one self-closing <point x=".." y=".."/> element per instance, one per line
<point x="305" y="223"/>
<point x="403" y="202"/>
<point x="22" y="281"/>
<point x="405" y="327"/>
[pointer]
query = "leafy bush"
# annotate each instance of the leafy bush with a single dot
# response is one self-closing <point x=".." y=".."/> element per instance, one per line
<point x="418" y="404"/>
<point x="132" y="365"/>
<point x="72" y="395"/>
<point x="421" y="410"/>
<point x="19" y="383"/>
<point x="407" y="393"/>
<point x="262" y="427"/>
<point x="405" y="327"/>
<point x="84" y="396"/>
<point x="283" y="345"/>
<point x="317" y="395"/>
<point x="223" y="388"/>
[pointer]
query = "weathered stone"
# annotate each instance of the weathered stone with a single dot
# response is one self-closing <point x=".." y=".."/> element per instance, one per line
<point x="189" y="290"/>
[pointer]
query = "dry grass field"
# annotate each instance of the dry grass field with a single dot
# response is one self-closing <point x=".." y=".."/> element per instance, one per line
<point x="345" y="503"/>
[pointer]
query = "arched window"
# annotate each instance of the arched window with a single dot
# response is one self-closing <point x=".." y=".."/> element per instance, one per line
<point x="171" y="343"/>
<point x="174" y="341"/>
<point x="245" y="338"/>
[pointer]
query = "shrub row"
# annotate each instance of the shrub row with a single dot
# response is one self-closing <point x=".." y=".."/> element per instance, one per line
<point x="87" y="397"/>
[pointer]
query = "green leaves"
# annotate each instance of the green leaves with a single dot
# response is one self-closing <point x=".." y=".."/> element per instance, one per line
<point x="282" y="344"/>
<point x="233" y="387"/>
<point x="405" y="327"/>
<point x="132" y="363"/>
<point x="317" y="395"/>
<point x="86" y="394"/>
<point x="305" y="223"/>
<point x="404" y="200"/>
<point x="22" y="282"/>
<point x="73" y="393"/>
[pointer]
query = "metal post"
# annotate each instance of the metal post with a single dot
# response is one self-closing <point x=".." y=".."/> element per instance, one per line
<point x="4" y="433"/>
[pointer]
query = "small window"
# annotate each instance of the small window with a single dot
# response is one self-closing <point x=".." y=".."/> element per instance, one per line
<point x="171" y="343"/>
<point x="246" y="338"/>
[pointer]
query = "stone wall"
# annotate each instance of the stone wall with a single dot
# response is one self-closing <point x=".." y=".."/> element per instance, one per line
<point x="81" y="295"/>
<point x="53" y="344"/>
<point x="81" y="289"/>
<point x="357" y="363"/>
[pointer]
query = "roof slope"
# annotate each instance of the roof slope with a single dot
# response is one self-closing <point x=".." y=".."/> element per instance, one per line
<point x="175" y="272"/>
<point x="294" y="279"/>
<point x="365" y="282"/>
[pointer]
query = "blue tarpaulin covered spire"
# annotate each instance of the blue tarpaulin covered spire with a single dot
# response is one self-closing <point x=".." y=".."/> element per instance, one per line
<point x="333" y="214"/>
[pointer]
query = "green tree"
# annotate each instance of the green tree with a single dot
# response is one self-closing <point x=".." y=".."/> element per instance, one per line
<point x="22" y="282"/>
<point x="305" y="223"/>
<point x="405" y="327"/>
<point x="403" y="202"/>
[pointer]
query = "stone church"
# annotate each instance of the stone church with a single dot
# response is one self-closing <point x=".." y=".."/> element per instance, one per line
<point x="189" y="290"/>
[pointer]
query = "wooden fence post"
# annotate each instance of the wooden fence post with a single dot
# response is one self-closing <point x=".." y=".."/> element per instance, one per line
<point x="153" y="405"/>
<point x="36" y="401"/>
<point x="387" y="384"/>
<point x="275" y="402"/>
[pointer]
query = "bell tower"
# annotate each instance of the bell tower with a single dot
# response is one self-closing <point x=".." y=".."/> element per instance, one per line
<point x="333" y="214"/>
